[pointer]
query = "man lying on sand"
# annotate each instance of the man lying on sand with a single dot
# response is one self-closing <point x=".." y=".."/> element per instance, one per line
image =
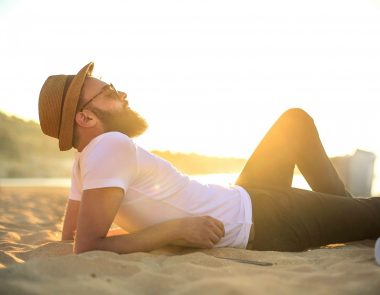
<point x="115" y="180"/>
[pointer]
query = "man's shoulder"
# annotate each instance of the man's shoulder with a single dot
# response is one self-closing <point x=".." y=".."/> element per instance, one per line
<point x="112" y="137"/>
<point x="109" y="141"/>
<point x="115" y="135"/>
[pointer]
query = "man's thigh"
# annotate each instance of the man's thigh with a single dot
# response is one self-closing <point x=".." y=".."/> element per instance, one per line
<point x="291" y="219"/>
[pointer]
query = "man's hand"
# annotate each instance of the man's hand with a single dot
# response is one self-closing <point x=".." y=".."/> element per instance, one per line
<point x="199" y="232"/>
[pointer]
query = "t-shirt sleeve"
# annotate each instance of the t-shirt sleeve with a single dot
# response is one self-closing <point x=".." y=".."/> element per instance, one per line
<point x="111" y="162"/>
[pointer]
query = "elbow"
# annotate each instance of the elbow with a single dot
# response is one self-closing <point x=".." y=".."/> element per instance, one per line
<point x="79" y="250"/>
<point x="68" y="236"/>
<point x="84" y="246"/>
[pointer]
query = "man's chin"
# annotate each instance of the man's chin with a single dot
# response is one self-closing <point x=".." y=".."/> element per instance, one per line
<point x="136" y="126"/>
<point x="135" y="130"/>
<point x="128" y="122"/>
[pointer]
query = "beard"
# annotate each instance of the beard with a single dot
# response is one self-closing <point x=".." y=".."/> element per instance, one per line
<point x="126" y="121"/>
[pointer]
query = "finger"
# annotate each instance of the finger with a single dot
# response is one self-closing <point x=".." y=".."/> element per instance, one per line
<point x="223" y="229"/>
<point x="213" y="219"/>
<point x="214" y="238"/>
<point x="218" y="231"/>
<point x="217" y="223"/>
<point x="220" y="225"/>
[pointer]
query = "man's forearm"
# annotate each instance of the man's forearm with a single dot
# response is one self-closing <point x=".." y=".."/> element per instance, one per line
<point x="70" y="220"/>
<point x="151" y="238"/>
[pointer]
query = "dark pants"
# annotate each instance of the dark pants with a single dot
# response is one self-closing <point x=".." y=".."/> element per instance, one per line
<point x="290" y="219"/>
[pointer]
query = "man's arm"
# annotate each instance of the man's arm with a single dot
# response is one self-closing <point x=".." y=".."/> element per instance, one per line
<point x="116" y="232"/>
<point x="70" y="220"/>
<point x="98" y="209"/>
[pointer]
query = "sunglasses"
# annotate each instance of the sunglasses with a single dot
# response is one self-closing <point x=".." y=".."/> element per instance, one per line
<point x="108" y="90"/>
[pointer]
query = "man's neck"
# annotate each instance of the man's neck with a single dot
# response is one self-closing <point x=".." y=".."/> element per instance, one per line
<point x="85" y="139"/>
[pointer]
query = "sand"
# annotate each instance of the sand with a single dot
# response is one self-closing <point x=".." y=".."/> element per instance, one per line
<point x="34" y="261"/>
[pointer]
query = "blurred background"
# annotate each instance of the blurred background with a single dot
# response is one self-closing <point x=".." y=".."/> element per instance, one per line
<point x="209" y="76"/>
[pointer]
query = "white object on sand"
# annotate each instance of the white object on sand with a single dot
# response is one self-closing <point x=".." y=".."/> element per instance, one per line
<point x="377" y="251"/>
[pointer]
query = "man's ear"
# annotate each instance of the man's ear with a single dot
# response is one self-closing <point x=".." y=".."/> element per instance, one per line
<point x="85" y="118"/>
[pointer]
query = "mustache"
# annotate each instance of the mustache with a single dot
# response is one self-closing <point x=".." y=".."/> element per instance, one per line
<point x="126" y="104"/>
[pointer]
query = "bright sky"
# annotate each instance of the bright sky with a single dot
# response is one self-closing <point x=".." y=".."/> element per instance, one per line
<point x="209" y="76"/>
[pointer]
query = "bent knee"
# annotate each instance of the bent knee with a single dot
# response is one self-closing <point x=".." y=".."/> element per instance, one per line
<point x="297" y="115"/>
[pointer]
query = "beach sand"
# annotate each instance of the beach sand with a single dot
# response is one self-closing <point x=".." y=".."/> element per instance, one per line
<point x="34" y="261"/>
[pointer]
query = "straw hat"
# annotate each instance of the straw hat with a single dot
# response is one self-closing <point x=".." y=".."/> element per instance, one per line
<point x="57" y="105"/>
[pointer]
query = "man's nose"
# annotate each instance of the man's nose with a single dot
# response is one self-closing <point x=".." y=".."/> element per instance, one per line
<point x="122" y="95"/>
<point x="123" y="98"/>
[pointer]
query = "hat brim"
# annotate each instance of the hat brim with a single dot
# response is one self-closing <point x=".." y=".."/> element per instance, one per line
<point x="69" y="107"/>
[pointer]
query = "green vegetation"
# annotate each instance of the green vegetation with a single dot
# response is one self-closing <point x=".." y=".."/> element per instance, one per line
<point x="26" y="152"/>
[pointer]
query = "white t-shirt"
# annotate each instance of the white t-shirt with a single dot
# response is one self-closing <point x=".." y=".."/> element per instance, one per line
<point x="154" y="191"/>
